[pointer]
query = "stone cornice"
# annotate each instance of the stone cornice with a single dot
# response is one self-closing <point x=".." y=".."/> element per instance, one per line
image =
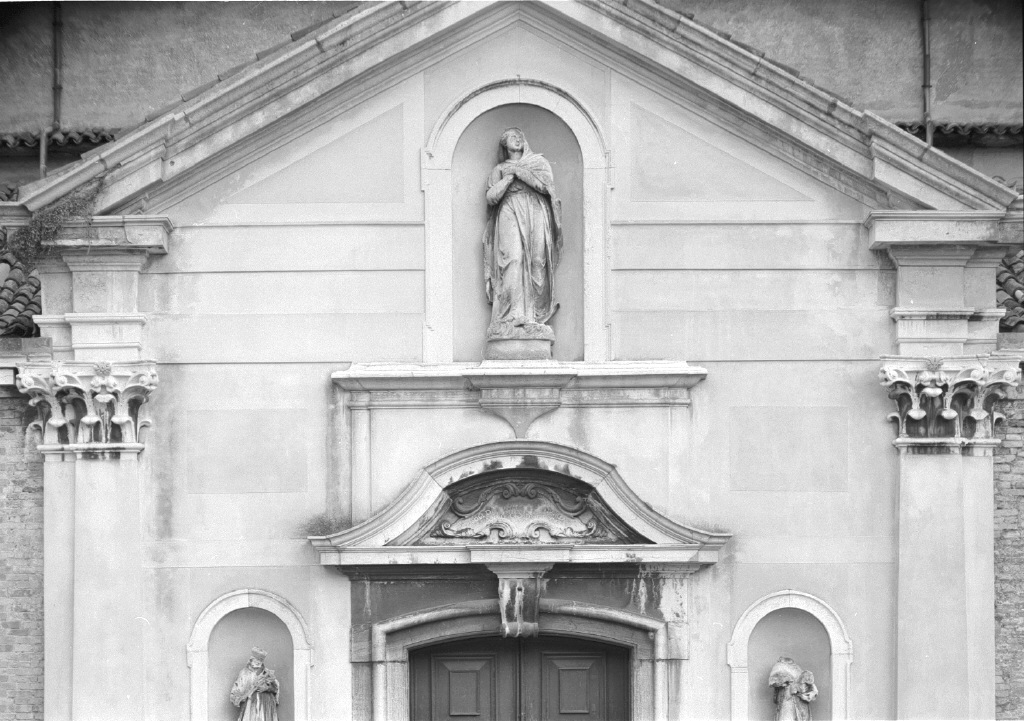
<point x="947" y="401"/>
<point x="576" y="375"/>
<point x="142" y="233"/>
<point x="519" y="391"/>
<point x="678" y="556"/>
<point x="89" y="407"/>
<point x="936" y="232"/>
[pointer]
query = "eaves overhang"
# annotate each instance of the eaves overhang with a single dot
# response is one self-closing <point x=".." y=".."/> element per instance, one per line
<point x="242" y="104"/>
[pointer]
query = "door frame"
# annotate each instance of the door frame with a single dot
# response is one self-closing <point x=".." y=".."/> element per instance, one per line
<point x="646" y="638"/>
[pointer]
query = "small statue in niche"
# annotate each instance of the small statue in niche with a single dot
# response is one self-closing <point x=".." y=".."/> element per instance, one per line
<point x="256" y="691"/>
<point x="522" y="242"/>
<point x="794" y="691"/>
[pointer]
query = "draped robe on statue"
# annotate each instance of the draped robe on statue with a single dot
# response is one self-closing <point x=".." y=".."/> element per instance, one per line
<point x="255" y="693"/>
<point x="794" y="690"/>
<point x="521" y="246"/>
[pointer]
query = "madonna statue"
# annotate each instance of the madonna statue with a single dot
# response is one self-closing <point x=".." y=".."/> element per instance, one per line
<point x="521" y="243"/>
<point x="256" y="691"/>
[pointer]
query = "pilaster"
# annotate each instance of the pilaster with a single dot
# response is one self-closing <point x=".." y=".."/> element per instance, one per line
<point x="91" y="430"/>
<point x="88" y="425"/>
<point x="945" y="415"/>
<point x="945" y="381"/>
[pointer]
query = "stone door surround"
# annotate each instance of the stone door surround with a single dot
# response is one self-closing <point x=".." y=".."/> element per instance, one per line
<point x="406" y="535"/>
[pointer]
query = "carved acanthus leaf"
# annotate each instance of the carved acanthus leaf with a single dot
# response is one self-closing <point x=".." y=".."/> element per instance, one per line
<point x="89" y="403"/>
<point x="946" y="398"/>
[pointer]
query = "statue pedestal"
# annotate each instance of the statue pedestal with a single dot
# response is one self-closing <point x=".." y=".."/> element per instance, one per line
<point x="518" y="349"/>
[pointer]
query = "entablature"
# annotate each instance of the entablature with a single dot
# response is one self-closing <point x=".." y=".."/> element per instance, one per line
<point x="519" y="391"/>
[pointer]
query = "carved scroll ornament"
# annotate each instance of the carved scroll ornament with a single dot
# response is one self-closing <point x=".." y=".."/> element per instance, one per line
<point x="527" y="510"/>
<point x="936" y="398"/>
<point x="89" y="403"/>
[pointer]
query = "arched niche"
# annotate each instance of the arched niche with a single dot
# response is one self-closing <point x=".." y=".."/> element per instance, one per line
<point x="476" y="153"/>
<point x="439" y="189"/>
<point x="776" y="610"/>
<point x="795" y="634"/>
<point x="229" y="650"/>
<point x="199" y="648"/>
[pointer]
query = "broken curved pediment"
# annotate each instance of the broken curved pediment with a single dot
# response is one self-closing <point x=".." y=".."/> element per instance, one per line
<point x="519" y="502"/>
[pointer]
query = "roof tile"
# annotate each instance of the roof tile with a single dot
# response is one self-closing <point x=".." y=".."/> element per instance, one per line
<point x="1010" y="292"/>
<point x="19" y="297"/>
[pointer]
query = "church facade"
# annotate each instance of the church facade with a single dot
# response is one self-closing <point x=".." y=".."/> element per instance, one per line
<point x="282" y="405"/>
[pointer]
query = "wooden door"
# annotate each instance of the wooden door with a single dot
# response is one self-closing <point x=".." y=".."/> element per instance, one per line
<point x="494" y="679"/>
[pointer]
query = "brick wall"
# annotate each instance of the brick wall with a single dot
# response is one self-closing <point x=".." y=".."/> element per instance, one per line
<point x="1009" y="478"/>
<point x="21" y="565"/>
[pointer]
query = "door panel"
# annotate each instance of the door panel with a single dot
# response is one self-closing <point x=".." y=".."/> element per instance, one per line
<point x="463" y="681"/>
<point x="465" y="686"/>
<point x="550" y="679"/>
<point x="571" y="685"/>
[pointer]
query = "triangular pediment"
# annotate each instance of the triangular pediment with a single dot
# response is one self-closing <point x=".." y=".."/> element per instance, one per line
<point x="379" y="162"/>
<point x="300" y="86"/>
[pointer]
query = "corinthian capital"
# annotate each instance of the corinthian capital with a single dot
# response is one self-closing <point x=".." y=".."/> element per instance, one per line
<point x="948" y="398"/>
<point x="91" y="405"/>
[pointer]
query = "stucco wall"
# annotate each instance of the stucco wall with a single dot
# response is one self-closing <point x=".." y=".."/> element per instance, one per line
<point x="1009" y="562"/>
<point x="757" y="271"/>
<point x="21" y="565"/>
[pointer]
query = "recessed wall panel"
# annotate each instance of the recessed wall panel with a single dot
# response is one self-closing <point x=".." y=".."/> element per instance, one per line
<point x="780" y="449"/>
<point x="246" y="450"/>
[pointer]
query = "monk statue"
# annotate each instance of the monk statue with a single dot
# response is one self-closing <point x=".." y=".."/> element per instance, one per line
<point x="521" y="243"/>
<point x="794" y="691"/>
<point x="256" y="691"/>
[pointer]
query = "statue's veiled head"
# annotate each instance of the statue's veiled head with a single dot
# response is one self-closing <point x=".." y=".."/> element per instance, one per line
<point x="512" y="140"/>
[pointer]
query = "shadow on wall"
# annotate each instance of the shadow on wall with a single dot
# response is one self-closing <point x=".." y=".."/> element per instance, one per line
<point x="800" y="636"/>
<point x="230" y="645"/>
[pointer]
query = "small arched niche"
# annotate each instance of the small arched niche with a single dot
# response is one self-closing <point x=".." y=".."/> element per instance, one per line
<point x="230" y="646"/>
<point x="476" y="153"/>
<point x="220" y="645"/>
<point x="795" y="625"/>
<point x="796" y="634"/>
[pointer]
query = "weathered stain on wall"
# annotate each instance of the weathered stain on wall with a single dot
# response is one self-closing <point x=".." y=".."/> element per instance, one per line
<point x="21" y="564"/>
<point x="1009" y="561"/>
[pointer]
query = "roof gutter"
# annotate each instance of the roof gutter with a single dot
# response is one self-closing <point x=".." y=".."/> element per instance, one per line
<point x="58" y="86"/>
<point x="926" y="86"/>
